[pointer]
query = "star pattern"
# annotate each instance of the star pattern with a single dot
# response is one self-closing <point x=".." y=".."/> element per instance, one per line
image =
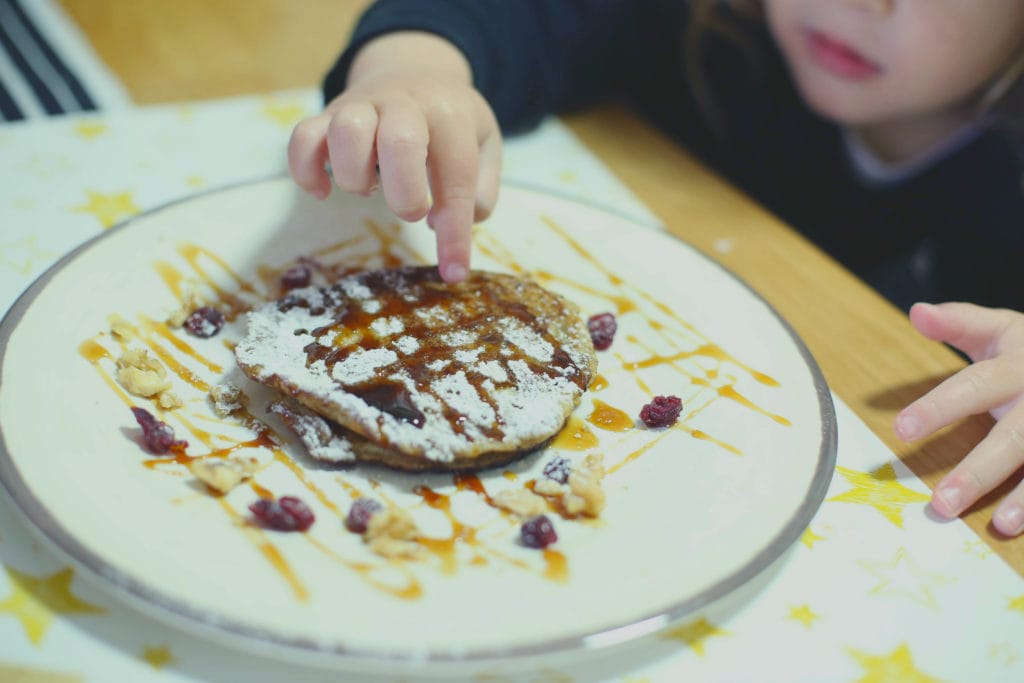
<point x="157" y="656"/>
<point x="108" y="208"/>
<point x="23" y="255"/>
<point x="803" y="614"/>
<point x="35" y="600"/>
<point x="901" y="576"/>
<point x="1017" y="604"/>
<point x="1004" y="653"/>
<point x="809" y="538"/>
<point x="695" y="633"/>
<point x="90" y="130"/>
<point x="881" y="490"/>
<point x="895" y="667"/>
<point x="286" y="114"/>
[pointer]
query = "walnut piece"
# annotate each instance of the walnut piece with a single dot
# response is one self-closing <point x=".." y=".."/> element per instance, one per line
<point x="223" y="474"/>
<point x="586" y="495"/>
<point x="141" y="374"/>
<point x="226" y="398"/>
<point x="521" y="502"/>
<point x="168" y="400"/>
<point x="120" y="327"/>
<point x="392" y="533"/>
<point x="190" y="301"/>
<point x="582" y="495"/>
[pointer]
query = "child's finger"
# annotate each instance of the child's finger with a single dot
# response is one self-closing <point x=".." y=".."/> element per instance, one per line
<point x="453" y="164"/>
<point x="1009" y="516"/>
<point x="402" y="139"/>
<point x="975" y="330"/>
<point x="307" y="155"/>
<point x="998" y="456"/>
<point x="489" y="178"/>
<point x="978" y="388"/>
<point x="350" y="139"/>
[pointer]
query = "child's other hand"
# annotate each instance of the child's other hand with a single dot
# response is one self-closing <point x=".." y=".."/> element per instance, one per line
<point x="409" y="110"/>
<point x="994" y="340"/>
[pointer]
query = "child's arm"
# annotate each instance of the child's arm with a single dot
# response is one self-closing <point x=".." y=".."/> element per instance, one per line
<point x="410" y="110"/>
<point x="994" y="340"/>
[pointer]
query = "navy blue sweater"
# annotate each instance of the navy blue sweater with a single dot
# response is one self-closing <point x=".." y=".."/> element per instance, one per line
<point x="953" y="231"/>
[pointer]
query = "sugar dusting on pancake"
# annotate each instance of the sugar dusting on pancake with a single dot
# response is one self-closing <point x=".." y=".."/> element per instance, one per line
<point x="434" y="374"/>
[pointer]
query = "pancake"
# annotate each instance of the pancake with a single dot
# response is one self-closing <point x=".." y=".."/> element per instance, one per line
<point x="412" y="372"/>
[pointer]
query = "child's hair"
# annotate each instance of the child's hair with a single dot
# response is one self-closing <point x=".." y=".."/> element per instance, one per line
<point x="1003" y="97"/>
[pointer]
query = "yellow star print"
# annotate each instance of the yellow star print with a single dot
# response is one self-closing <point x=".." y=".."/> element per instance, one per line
<point x="1004" y="653"/>
<point x="902" y="576"/>
<point x="880" y="490"/>
<point x="90" y="130"/>
<point x="35" y="600"/>
<point x="284" y="113"/>
<point x="108" y="208"/>
<point x="158" y="656"/>
<point x="695" y="633"/>
<point x="809" y="538"/>
<point x="803" y="614"/>
<point x="895" y="667"/>
<point x="22" y="255"/>
<point x="1017" y="604"/>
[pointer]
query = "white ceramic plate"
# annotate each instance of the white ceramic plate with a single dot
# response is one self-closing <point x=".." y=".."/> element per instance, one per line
<point x="692" y="512"/>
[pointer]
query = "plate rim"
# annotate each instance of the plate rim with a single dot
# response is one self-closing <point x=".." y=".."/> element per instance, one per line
<point x="176" y="612"/>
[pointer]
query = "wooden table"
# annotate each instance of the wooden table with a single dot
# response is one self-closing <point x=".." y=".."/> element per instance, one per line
<point x="870" y="355"/>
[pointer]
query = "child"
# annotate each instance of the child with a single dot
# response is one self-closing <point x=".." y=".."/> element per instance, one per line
<point x="879" y="128"/>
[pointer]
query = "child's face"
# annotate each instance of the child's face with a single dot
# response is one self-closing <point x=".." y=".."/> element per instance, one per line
<point x="865" y="62"/>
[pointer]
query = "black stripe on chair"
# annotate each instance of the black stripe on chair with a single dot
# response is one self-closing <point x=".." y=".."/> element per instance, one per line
<point x="42" y="93"/>
<point x="74" y="84"/>
<point x="8" y="107"/>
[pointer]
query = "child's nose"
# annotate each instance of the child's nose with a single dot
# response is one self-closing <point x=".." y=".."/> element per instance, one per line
<point x="880" y="7"/>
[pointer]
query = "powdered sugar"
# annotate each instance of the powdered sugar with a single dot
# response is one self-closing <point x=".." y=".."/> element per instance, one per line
<point x="474" y="396"/>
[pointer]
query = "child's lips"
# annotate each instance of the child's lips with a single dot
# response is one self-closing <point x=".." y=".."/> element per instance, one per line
<point x="840" y="59"/>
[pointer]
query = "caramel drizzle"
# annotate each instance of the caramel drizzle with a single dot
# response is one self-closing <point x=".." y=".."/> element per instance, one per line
<point x="576" y="435"/>
<point x="556" y="566"/>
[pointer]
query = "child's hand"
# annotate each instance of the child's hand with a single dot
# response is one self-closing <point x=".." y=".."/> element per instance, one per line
<point x="994" y="340"/>
<point x="410" y="111"/>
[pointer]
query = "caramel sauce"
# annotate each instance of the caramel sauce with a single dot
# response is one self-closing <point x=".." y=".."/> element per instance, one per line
<point x="477" y="310"/>
<point x="575" y="436"/>
<point x="557" y="568"/>
<point x="610" y="418"/>
<point x="260" y="491"/>
<point x="269" y="551"/>
<point x="174" y="340"/>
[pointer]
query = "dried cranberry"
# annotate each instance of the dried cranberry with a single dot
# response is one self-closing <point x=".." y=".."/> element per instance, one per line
<point x="662" y="411"/>
<point x="284" y="514"/>
<point x="159" y="435"/>
<point x="602" y="330"/>
<point x="360" y="513"/>
<point x="558" y="469"/>
<point x="297" y="276"/>
<point x="205" y="322"/>
<point x="538" y="532"/>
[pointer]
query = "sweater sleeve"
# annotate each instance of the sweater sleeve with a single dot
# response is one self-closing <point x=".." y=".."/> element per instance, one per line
<point x="529" y="57"/>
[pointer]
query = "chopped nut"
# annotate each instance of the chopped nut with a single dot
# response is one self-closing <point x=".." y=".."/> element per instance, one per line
<point x="550" y="487"/>
<point x="587" y="496"/>
<point x="120" y="327"/>
<point x="223" y="475"/>
<point x="141" y="374"/>
<point x="392" y="533"/>
<point x="226" y="398"/>
<point x="168" y="400"/>
<point x="521" y="502"/>
<point x="190" y="301"/>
